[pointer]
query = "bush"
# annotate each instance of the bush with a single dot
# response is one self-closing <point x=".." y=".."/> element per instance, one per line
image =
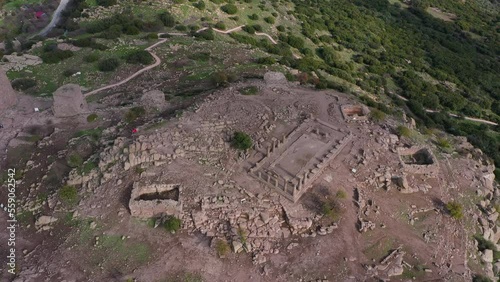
<point x="248" y="28"/>
<point x="151" y="36"/>
<point x="377" y="115"/>
<point x="70" y="72"/>
<point x="87" y="168"/>
<point x="230" y="9"/>
<point x="250" y="90"/>
<point x="269" y="20"/>
<point x="90" y="58"/>
<point x="92" y="117"/>
<point x="140" y="57"/>
<point x="266" y="61"/>
<point x="167" y="19"/>
<point x="403" y="131"/>
<point x="220" y="25"/>
<point x="68" y="195"/>
<point x="480" y="278"/>
<point x="241" y="141"/>
<point x="220" y="78"/>
<point x="331" y="209"/>
<point x="280" y="28"/>
<point x="109" y="64"/>
<point x="207" y="34"/>
<point x="199" y="56"/>
<point x="55" y="56"/>
<point x="181" y="27"/>
<point x="200" y="5"/>
<point x="341" y="194"/>
<point x="443" y="143"/>
<point x="106" y="3"/>
<point x="222" y="248"/>
<point x="172" y="224"/>
<point x="253" y="17"/>
<point x="455" y="210"/>
<point x="74" y="160"/>
<point x="23" y="83"/>
<point x="134" y="114"/>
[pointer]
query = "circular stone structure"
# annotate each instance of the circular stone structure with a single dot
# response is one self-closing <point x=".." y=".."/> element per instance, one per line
<point x="7" y="94"/>
<point x="69" y="101"/>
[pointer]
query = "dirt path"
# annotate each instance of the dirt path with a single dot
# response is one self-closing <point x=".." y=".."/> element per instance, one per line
<point x="455" y="115"/>
<point x="55" y="17"/>
<point x="158" y="60"/>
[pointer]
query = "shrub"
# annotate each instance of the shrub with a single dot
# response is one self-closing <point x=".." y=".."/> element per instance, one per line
<point x="55" y="56"/>
<point x="331" y="209"/>
<point x="222" y="247"/>
<point x="341" y="194"/>
<point x="134" y="113"/>
<point x="250" y="90"/>
<point x="181" y="27"/>
<point x="443" y="143"/>
<point x="106" y="3"/>
<point x="257" y="27"/>
<point x="220" y="78"/>
<point x="455" y="210"/>
<point x="199" y="56"/>
<point x="235" y="18"/>
<point x="68" y="195"/>
<point x="90" y="58"/>
<point x="87" y="168"/>
<point x="151" y="36"/>
<point x="253" y="17"/>
<point x="248" y="28"/>
<point x="230" y="9"/>
<point x="70" y="72"/>
<point x="172" y="224"/>
<point x="140" y="57"/>
<point x="74" y="160"/>
<point x="403" y="131"/>
<point x="113" y="32"/>
<point x="269" y="20"/>
<point x="480" y="278"/>
<point x="220" y="25"/>
<point x="200" y="5"/>
<point x="266" y="61"/>
<point x="377" y="115"/>
<point x="23" y="83"/>
<point x="167" y="19"/>
<point x="109" y="64"/>
<point x="92" y="117"/>
<point x="241" y="141"/>
<point x="280" y="28"/>
<point x="207" y="34"/>
<point x="131" y="29"/>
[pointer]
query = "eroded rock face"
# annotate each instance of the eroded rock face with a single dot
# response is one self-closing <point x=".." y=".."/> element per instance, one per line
<point x="69" y="101"/>
<point x="7" y="94"/>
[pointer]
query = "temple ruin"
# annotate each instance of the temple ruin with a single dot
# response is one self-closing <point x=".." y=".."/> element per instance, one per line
<point x="354" y="112"/>
<point x="153" y="200"/>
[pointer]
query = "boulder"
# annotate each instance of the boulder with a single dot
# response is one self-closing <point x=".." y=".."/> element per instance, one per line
<point x="7" y="94"/>
<point x="153" y="99"/>
<point x="275" y="78"/>
<point x="487" y="256"/>
<point x="45" y="220"/>
<point x="69" y="101"/>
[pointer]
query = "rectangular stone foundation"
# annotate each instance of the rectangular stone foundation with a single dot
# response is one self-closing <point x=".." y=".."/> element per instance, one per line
<point x="291" y="164"/>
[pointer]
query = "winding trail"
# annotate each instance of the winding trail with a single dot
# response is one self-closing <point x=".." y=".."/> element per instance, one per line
<point x="455" y="115"/>
<point x="238" y="28"/>
<point x="158" y="60"/>
<point x="55" y="17"/>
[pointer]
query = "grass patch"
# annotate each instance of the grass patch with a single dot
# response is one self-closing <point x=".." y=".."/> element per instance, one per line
<point x="92" y="117"/>
<point x="403" y="131"/>
<point x="74" y="160"/>
<point x="172" y="224"/>
<point x="250" y="90"/>
<point x="222" y="248"/>
<point x="87" y="167"/>
<point x="68" y="195"/>
<point x="134" y="113"/>
<point x="94" y="133"/>
<point x="455" y="209"/>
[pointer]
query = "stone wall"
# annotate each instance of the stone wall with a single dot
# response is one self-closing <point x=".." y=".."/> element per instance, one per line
<point x="156" y="207"/>
<point x="431" y="169"/>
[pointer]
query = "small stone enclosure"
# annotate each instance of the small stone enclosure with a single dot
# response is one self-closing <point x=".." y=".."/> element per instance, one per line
<point x="418" y="160"/>
<point x="153" y="200"/>
<point x="354" y="112"/>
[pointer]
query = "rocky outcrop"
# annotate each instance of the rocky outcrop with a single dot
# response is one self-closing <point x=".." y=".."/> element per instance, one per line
<point x="7" y="94"/>
<point x="69" y="101"/>
<point x="153" y="99"/>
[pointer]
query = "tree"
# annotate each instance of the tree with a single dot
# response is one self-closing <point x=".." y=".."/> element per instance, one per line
<point x="241" y="141"/>
<point x="140" y="57"/>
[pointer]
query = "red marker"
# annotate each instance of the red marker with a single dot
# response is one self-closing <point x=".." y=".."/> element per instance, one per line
<point x="134" y="130"/>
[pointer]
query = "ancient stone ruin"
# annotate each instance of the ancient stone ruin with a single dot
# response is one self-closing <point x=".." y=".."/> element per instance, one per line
<point x="7" y="94"/>
<point x="154" y="200"/>
<point x="354" y="112"/>
<point x="291" y="164"/>
<point x="418" y="160"/>
<point x="69" y="101"/>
